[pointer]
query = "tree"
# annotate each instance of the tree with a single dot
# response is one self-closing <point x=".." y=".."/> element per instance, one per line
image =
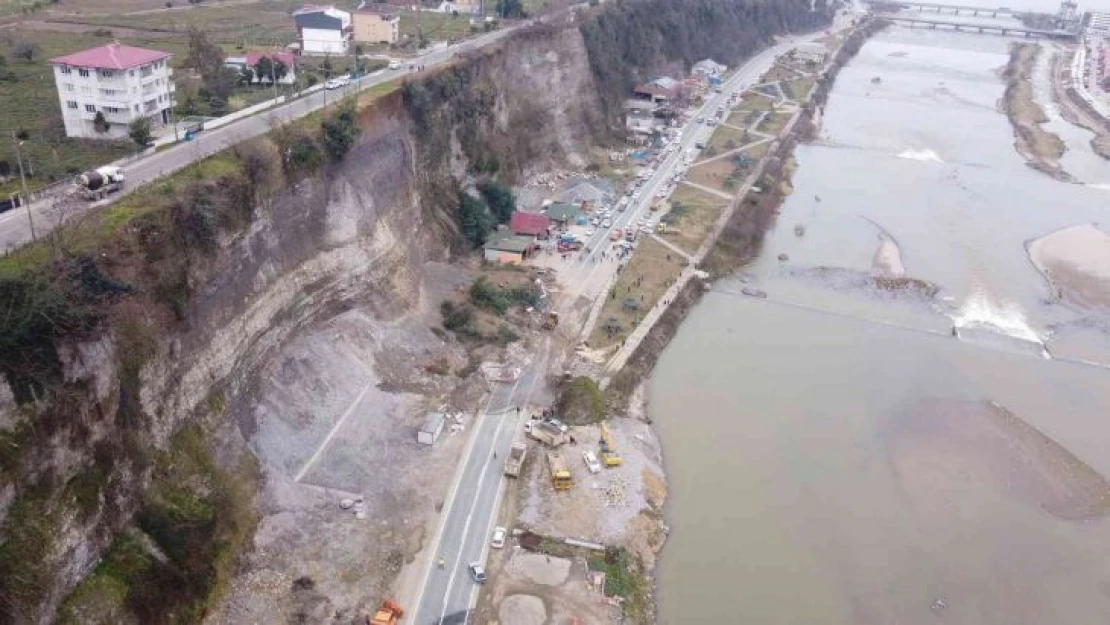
<point x="499" y="198"/>
<point x="25" y="50"/>
<point x="474" y="219"/>
<point x="510" y="8"/>
<point x="220" y="85"/>
<point x="246" y="76"/>
<point x="140" y="131"/>
<point x="340" y="132"/>
<point x="203" y="55"/>
<point x="99" y="123"/>
<point x="268" y="69"/>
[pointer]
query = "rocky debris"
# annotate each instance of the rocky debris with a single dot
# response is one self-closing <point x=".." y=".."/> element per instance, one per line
<point x="613" y="494"/>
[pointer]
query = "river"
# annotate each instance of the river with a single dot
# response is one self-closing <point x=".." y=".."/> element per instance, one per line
<point x="835" y="454"/>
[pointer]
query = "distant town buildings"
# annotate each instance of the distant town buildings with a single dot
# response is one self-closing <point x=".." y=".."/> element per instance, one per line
<point x="102" y="90"/>
<point x="323" y="30"/>
<point x="660" y="90"/>
<point x="1099" y="24"/>
<point x="377" y="23"/>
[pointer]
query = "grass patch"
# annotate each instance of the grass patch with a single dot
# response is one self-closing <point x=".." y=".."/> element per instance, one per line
<point x="724" y="139"/>
<point x="752" y="101"/>
<point x="758" y="151"/>
<point x="436" y="26"/>
<point x="774" y="123"/>
<point x="625" y="577"/>
<point x="715" y="174"/>
<point x="643" y="281"/>
<point x="691" y="219"/>
<point x="799" y="89"/>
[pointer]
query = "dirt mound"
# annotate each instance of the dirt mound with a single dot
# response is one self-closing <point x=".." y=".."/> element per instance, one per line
<point x="942" y="445"/>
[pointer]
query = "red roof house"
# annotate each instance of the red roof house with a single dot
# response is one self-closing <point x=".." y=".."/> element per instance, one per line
<point x="534" y="224"/>
<point x="111" y="56"/>
<point x="287" y="59"/>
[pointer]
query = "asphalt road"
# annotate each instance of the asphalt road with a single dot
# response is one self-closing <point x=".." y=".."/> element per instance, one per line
<point x="448" y="594"/>
<point x="47" y="213"/>
<point x="589" y="273"/>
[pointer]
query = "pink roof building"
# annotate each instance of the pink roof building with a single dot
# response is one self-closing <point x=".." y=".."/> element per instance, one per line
<point x="534" y="224"/>
<point x="103" y="90"/>
<point x="111" y="56"/>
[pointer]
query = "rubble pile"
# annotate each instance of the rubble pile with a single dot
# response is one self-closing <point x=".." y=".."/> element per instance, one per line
<point x="613" y="494"/>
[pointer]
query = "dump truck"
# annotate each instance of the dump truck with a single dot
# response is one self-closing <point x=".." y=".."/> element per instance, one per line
<point x="560" y="475"/>
<point x="609" y="456"/>
<point x="545" y="433"/>
<point x="95" y="184"/>
<point x="515" y="459"/>
<point x="388" y="614"/>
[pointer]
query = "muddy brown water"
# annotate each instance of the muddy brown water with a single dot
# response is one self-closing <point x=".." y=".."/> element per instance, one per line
<point x="834" y="454"/>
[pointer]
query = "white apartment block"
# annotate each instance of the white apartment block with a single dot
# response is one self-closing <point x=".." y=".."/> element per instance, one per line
<point x="121" y="82"/>
<point x="323" y="30"/>
<point x="1099" y="24"/>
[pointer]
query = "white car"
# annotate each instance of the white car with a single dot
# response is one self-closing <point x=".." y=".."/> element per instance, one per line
<point x="498" y="540"/>
<point x="478" y="572"/>
<point x="394" y="65"/>
<point x="590" y="458"/>
<point x="607" y="223"/>
<point x="595" y="221"/>
<point x="337" y="82"/>
<point x="589" y="232"/>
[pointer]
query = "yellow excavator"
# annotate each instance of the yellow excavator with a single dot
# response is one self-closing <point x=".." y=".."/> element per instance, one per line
<point x="550" y="320"/>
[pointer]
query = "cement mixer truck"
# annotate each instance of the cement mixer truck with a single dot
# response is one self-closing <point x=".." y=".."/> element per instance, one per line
<point x="95" y="184"/>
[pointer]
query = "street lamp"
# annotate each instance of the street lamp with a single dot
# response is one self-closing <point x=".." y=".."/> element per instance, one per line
<point x="23" y="184"/>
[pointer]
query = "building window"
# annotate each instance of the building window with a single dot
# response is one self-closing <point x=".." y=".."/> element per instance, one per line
<point x="71" y="104"/>
<point x="131" y="73"/>
<point x="107" y="73"/>
<point x="90" y="108"/>
<point x="83" y="72"/>
<point x="66" y="70"/>
<point x="69" y="87"/>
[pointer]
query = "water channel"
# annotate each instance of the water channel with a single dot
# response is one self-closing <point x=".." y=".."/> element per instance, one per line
<point x="835" y="454"/>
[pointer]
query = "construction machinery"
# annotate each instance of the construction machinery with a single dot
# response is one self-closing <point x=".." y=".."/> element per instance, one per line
<point x="95" y="184"/>
<point x="609" y="456"/>
<point x="561" y="478"/>
<point x="550" y="320"/>
<point x="546" y="433"/>
<point x="515" y="459"/>
<point x="388" y="614"/>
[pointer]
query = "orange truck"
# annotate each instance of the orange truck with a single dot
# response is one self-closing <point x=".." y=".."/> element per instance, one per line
<point x="388" y="614"/>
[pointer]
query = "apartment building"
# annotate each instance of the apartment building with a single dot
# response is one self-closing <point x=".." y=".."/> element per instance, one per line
<point x="323" y="30"/>
<point x="122" y="83"/>
<point x="377" y="23"/>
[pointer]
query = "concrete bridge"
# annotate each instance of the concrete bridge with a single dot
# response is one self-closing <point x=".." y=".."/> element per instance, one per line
<point x="955" y="9"/>
<point x="992" y="29"/>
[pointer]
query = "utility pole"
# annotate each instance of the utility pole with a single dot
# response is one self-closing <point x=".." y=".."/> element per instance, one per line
<point x="23" y="184"/>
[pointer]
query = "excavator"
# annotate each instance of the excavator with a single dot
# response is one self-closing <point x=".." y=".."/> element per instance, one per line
<point x="388" y="614"/>
<point x="550" y="320"/>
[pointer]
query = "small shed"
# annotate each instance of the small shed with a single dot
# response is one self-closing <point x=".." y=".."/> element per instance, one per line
<point x="429" y="432"/>
<point x="562" y="214"/>
<point x="506" y="248"/>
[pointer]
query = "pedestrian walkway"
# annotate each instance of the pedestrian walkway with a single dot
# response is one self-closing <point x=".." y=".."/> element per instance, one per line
<point x="671" y="246"/>
<point x="707" y="189"/>
<point x="765" y="139"/>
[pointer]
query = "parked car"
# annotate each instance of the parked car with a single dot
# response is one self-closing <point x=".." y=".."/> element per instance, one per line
<point x="498" y="540"/>
<point x="394" y="65"/>
<point x="590" y="231"/>
<point x="337" y="82"/>
<point x="591" y="461"/>
<point x="606" y="223"/>
<point x="615" y="235"/>
<point x="478" y="572"/>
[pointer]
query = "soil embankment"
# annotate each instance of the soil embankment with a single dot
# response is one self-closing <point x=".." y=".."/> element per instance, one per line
<point x="1042" y="149"/>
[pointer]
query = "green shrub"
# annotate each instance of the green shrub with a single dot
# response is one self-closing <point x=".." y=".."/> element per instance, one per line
<point x="581" y="401"/>
<point x="340" y="132"/>
<point x="498" y="300"/>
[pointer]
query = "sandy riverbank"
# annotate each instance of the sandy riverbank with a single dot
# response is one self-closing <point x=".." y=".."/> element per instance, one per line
<point x="1075" y="262"/>
<point x="1042" y="149"/>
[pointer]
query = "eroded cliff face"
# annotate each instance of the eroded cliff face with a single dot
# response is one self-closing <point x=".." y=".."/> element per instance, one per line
<point x="102" y="441"/>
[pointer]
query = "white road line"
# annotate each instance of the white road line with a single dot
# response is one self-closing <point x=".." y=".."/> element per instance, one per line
<point x="470" y="517"/>
<point x="331" y="434"/>
<point x="501" y="484"/>
<point x="448" y="503"/>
